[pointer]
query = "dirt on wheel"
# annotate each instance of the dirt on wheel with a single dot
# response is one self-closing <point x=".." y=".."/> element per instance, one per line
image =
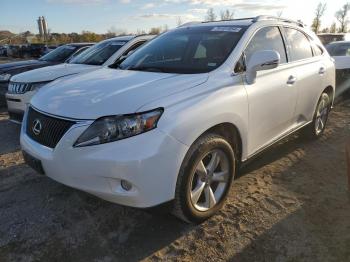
<point x="289" y="204"/>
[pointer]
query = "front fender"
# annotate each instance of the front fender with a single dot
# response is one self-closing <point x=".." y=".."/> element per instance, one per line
<point x="190" y="118"/>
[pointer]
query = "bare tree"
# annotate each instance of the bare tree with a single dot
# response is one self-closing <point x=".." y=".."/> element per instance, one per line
<point x="211" y="16"/>
<point x="165" y="28"/>
<point x="279" y="13"/>
<point x="113" y="31"/>
<point x="155" y="31"/>
<point x="227" y="15"/>
<point x="342" y="17"/>
<point x="333" y="28"/>
<point x="319" y="12"/>
<point x="179" y="21"/>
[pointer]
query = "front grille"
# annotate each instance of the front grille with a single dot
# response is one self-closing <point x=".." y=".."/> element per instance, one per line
<point x="19" y="88"/>
<point x="44" y="129"/>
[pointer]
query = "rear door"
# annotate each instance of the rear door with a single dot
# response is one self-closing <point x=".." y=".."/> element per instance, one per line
<point x="308" y="69"/>
<point x="271" y="99"/>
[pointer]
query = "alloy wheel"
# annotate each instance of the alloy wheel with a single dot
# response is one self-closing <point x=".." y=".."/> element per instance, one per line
<point x="321" y="115"/>
<point x="209" y="180"/>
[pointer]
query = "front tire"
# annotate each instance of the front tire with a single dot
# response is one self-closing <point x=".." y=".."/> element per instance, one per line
<point x="204" y="179"/>
<point x="318" y="125"/>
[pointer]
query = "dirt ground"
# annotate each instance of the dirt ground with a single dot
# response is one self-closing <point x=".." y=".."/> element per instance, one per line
<point x="290" y="204"/>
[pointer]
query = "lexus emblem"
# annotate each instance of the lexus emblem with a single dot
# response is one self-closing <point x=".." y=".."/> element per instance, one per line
<point x="37" y="126"/>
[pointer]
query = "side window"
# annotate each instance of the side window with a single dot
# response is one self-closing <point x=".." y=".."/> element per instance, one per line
<point x="299" y="45"/>
<point x="134" y="47"/>
<point x="268" y="38"/>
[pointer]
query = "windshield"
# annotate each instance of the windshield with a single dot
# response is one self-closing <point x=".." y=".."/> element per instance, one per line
<point x="186" y="50"/>
<point x="98" y="54"/>
<point x="60" y="54"/>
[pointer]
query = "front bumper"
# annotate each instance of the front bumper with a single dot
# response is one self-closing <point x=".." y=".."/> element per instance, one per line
<point x="17" y="104"/>
<point x="150" y="162"/>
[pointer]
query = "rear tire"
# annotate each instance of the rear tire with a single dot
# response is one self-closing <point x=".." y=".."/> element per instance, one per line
<point x="204" y="179"/>
<point x="315" y="129"/>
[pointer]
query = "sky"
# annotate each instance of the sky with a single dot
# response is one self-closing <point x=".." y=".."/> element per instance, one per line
<point x="100" y="16"/>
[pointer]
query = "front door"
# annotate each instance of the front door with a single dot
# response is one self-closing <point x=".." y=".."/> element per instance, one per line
<point x="272" y="98"/>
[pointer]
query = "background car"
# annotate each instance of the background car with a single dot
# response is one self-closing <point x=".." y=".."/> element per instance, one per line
<point x="58" y="56"/>
<point x="23" y="86"/>
<point x="340" y="51"/>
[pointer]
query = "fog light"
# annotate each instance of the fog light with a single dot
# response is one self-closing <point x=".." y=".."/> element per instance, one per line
<point x="126" y="185"/>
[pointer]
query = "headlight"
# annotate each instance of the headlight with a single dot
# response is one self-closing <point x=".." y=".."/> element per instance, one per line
<point x="5" y="77"/>
<point x="113" y="128"/>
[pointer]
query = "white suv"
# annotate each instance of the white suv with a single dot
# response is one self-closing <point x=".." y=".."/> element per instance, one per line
<point x="23" y="86"/>
<point x="178" y="116"/>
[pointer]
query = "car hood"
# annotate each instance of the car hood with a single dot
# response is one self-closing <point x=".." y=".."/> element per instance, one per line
<point x="109" y="92"/>
<point x="21" y="64"/>
<point x="51" y="73"/>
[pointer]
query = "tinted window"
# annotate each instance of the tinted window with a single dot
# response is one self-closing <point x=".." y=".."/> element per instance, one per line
<point x="186" y="50"/>
<point x="268" y="38"/>
<point x="60" y="54"/>
<point x="299" y="45"/>
<point x="99" y="53"/>
<point x="339" y="49"/>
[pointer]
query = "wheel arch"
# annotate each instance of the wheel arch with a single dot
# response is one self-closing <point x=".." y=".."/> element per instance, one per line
<point x="231" y="133"/>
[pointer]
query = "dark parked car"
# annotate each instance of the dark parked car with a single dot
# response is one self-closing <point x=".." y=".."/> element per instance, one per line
<point x="57" y="56"/>
<point x="33" y="50"/>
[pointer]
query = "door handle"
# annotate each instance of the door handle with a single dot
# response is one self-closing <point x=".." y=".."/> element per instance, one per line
<point x="322" y="71"/>
<point x="291" y="80"/>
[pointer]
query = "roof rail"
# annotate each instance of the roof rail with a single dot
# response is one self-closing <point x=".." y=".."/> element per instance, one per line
<point x="267" y="17"/>
<point x="226" y="20"/>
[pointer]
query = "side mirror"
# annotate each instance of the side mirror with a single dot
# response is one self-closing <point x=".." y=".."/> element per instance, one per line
<point x="259" y="61"/>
